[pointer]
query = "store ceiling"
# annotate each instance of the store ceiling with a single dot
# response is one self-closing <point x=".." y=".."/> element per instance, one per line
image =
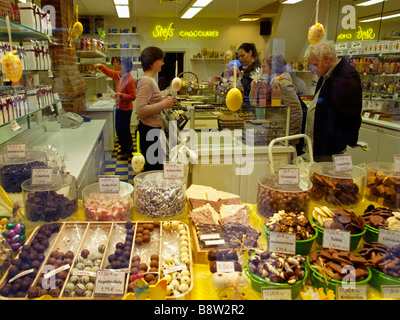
<point x="153" y="8"/>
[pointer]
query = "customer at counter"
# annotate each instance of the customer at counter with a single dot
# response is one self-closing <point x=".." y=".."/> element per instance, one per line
<point x="149" y="105"/>
<point x="248" y="56"/>
<point x="125" y="94"/>
<point x="334" y="115"/>
<point x="275" y="67"/>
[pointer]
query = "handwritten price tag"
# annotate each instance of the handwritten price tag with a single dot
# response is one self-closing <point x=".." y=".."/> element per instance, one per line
<point x="343" y="163"/>
<point x="271" y="293"/>
<point x="42" y="176"/>
<point x="336" y="239"/>
<point x="109" y="282"/>
<point x="282" y="242"/>
<point x="174" y="170"/>
<point x="289" y="176"/>
<point x="16" y="150"/>
<point x="109" y="184"/>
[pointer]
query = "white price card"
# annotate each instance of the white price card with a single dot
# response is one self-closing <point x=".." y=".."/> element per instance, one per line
<point x="336" y="239"/>
<point x="109" y="282"/>
<point x="343" y="162"/>
<point x="366" y="114"/>
<point x="353" y="293"/>
<point x="15" y="126"/>
<point x="390" y="292"/>
<point x="272" y="293"/>
<point x="289" y="176"/>
<point x="174" y="170"/>
<point x="42" y="176"/>
<point x="109" y="184"/>
<point x="16" y="150"/>
<point x="225" y="266"/>
<point x="376" y="116"/>
<point x="397" y="163"/>
<point x="282" y="242"/>
<point x="388" y="237"/>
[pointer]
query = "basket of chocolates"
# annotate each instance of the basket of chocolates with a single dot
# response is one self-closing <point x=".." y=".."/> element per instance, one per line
<point x="341" y="219"/>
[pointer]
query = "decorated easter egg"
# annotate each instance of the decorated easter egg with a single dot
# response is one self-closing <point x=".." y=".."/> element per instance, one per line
<point x="12" y="66"/>
<point x="234" y="99"/>
<point x="315" y="33"/>
<point x="176" y="84"/>
<point x="138" y="163"/>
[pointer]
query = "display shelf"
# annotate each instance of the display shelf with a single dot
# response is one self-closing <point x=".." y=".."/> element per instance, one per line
<point x="28" y="114"/>
<point x="93" y="54"/>
<point x="122" y="49"/>
<point x="21" y="32"/>
<point x="97" y="76"/>
<point x="123" y="34"/>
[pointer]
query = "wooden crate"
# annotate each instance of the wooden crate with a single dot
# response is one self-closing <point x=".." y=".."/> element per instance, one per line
<point x="111" y="234"/>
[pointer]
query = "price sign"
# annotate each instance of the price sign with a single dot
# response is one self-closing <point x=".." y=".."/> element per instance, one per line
<point x="16" y="150"/>
<point x="282" y="242"/>
<point x="390" y="292"/>
<point x="174" y="170"/>
<point x="109" y="184"/>
<point x="272" y="293"/>
<point x="397" y="163"/>
<point x="343" y="162"/>
<point x="336" y="239"/>
<point x="109" y="282"/>
<point x="355" y="293"/>
<point x="42" y="176"/>
<point x="289" y="176"/>
<point x="225" y="266"/>
<point x="388" y="237"/>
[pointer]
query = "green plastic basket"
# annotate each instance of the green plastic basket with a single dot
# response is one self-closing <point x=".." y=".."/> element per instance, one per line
<point x="379" y="279"/>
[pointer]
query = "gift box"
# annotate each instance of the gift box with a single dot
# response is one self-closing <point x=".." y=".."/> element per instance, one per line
<point x="31" y="16"/>
<point x="32" y="99"/>
<point x="7" y="109"/>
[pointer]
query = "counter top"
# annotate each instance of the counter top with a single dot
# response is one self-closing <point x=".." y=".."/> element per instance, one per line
<point x="394" y="125"/>
<point x="101" y="105"/>
<point x="81" y="141"/>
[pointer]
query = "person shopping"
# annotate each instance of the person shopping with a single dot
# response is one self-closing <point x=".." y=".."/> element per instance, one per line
<point x="248" y="56"/>
<point x="275" y="67"/>
<point x="334" y="115"/>
<point x="149" y="105"/>
<point x="125" y="94"/>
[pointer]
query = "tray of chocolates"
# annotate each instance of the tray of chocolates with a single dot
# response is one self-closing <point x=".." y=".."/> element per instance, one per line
<point x="67" y="261"/>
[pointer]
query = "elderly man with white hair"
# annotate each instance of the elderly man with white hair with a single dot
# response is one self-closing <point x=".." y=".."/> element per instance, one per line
<point x="334" y="115"/>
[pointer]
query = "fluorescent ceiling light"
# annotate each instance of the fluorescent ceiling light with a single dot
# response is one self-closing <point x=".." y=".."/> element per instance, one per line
<point x="191" y="13"/>
<point x="291" y="1"/>
<point x="249" y="17"/>
<point x="122" y="11"/>
<point x="121" y="2"/>
<point x="369" y="3"/>
<point x="391" y="16"/>
<point x="201" y="3"/>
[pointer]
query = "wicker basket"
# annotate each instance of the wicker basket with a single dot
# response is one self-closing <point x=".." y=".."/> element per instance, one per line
<point x="188" y="90"/>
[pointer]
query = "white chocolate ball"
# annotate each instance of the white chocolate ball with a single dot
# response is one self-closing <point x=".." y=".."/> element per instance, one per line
<point x="186" y="280"/>
<point x="175" y="225"/>
<point x="185" y="261"/>
<point x="167" y="225"/>
<point x="185" y="273"/>
<point x="183" y="287"/>
<point x="182" y="232"/>
<point x="176" y="84"/>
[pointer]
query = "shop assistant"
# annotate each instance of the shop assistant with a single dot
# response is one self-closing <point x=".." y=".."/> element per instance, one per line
<point x="149" y="105"/>
<point x="125" y="94"/>
<point x="334" y="115"/>
<point x="248" y="56"/>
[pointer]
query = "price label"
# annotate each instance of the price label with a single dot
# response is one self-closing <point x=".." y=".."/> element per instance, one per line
<point x="109" y="282"/>
<point x="16" y="150"/>
<point x="174" y="170"/>
<point x="210" y="236"/>
<point x="289" y="176"/>
<point x="225" y="266"/>
<point x="354" y="293"/>
<point x="282" y="242"/>
<point x="388" y="237"/>
<point x="390" y="292"/>
<point x="175" y="269"/>
<point x="397" y="163"/>
<point x="376" y="116"/>
<point x="343" y="162"/>
<point x="109" y="184"/>
<point x="14" y="125"/>
<point x="366" y="114"/>
<point x="271" y="293"/>
<point x="42" y="176"/>
<point x="212" y="243"/>
<point x="336" y="239"/>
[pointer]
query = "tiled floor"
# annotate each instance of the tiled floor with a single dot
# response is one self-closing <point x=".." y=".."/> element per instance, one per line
<point x="117" y="166"/>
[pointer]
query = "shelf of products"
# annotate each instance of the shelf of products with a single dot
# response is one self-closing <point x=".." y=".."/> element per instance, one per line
<point x="21" y="32"/>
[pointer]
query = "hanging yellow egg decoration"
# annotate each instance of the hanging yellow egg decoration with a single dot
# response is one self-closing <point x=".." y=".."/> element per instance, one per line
<point x="315" y="33"/>
<point x="234" y="99"/>
<point x="12" y="66"/>
<point x="77" y="28"/>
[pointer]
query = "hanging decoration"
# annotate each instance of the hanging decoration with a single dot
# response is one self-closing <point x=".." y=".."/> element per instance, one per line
<point x="77" y="28"/>
<point x="316" y="32"/>
<point x="234" y="97"/>
<point x="176" y="83"/>
<point x="12" y="66"/>
<point x="138" y="160"/>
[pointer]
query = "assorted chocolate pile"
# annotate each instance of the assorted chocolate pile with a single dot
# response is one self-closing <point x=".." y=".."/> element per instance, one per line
<point x="382" y="258"/>
<point x="335" y="191"/>
<point x="291" y="222"/>
<point x="333" y="264"/>
<point x="383" y="188"/>
<point x="377" y="217"/>
<point x="278" y="268"/>
<point x="214" y="256"/>
<point x="341" y="219"/>
<point x="13" y="175"/>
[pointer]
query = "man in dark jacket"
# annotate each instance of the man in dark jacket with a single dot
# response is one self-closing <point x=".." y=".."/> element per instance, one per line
<point x="334" y="115"/>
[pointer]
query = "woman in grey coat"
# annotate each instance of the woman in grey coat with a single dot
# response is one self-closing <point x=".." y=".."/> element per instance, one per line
<point x="275" y="67"/>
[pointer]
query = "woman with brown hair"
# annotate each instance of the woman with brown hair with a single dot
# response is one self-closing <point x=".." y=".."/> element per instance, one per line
<point x="149" y="105"/>
<point x="248" y="56"/>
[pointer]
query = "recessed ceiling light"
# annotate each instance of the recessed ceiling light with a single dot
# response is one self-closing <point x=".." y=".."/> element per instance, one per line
<point x="122" y="11"/>
<point x="201" y="3"/>
<point x="191" y="13"/>
<point x="121" y="2"/>
<point x="291" y="1"/>
<point x="390" y="16"/>
<point x="249" y="17"/>
<point x="369" y="3"/>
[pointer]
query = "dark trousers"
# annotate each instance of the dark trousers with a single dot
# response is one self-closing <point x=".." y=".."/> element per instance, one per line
<point x="150" y="147"/>
<point x="123" y="129"/>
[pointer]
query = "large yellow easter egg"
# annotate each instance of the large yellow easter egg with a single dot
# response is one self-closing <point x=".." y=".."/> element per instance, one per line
<point x="315" y="33"/>
<point x="176" y="84"/>
<point x="234" y="99"/>
<point x="12" y="67"/>
<point x="77" y="29"/>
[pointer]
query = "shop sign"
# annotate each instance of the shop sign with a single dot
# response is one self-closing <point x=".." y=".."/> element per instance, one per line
<point x="359" y="34"/>
<point x="167" y="32"/>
